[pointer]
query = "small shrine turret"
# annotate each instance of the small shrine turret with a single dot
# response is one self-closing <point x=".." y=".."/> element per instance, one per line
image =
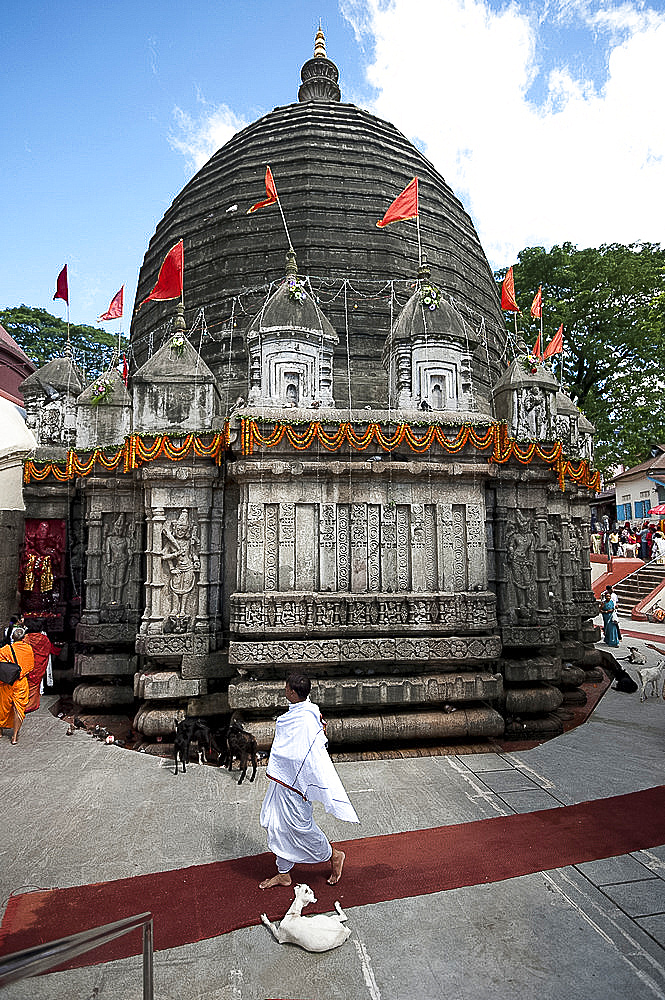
<point x="428" y="354"/>
<point x="104" y="410"/>
<point x="175" y="388"/>
<point x="49" y="396"/>
<point x="525" y="397"/>
<point x="290" y="345"/>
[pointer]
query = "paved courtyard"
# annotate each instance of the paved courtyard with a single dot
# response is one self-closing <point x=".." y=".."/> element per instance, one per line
<point x="77" y="811"/>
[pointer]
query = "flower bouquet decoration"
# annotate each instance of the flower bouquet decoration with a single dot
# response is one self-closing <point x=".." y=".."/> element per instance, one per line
<point x="296" y="290"/>
<point x="178" y="344"/>
<point x="101" y="390"/>
<point x="430" y="296"/>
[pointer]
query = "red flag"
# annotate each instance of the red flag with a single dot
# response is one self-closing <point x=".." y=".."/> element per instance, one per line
<point x="61" y="288"/>
<point x="114" y="311"/>
<point x="537" y="304"/>
<point x="271" y="192"/>
<point x="405" y="206"/>
<point x="508" y="302"/>
<point x="555" y="345"/>
<point x="536" y="348"/>
<point x="169" y="282"/>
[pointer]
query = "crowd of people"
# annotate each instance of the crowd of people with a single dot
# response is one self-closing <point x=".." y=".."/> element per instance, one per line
<point x="644" y="541"/>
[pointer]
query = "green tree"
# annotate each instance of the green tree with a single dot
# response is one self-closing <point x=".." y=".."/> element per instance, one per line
<point x="44" y="337"/>
<point x="611" y="301"/>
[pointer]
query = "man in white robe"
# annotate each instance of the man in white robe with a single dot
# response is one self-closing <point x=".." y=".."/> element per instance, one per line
<point x="300" y="771"/>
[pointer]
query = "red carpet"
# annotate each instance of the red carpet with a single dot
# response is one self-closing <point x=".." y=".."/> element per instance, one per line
<point x="203" y="901"/>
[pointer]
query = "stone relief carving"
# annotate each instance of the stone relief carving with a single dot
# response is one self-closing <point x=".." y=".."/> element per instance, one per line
<point x="181" y="564"/>
<point x="377" y="546"/>
<point x="530" y="414"/>
<point x="575" y="554"/>
<point x="554" y="567"/>
<point x="309" y="613"/>
<point x="521" y="560"/>
<point x="357" y="650"/>
<point x="271" y="546"/>
<point x="118" y="549"/>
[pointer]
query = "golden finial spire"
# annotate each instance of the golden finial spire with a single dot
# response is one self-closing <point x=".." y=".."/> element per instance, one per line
<point x="320" y="44"/>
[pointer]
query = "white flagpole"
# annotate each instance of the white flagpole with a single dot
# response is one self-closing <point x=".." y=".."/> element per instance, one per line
<point x="279" y="205"/>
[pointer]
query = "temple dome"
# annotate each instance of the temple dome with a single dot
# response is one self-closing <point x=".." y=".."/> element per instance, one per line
<point x="336" y="168"/>
<point x="283" y="312"/>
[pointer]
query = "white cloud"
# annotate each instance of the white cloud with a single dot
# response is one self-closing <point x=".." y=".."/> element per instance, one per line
<point x="198" y="139"/>
<point x="588" y="165"/>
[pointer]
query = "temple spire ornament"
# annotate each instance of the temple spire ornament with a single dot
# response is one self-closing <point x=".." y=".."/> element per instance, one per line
<point x="320" y="44"/>
<point x="319" y="75"/>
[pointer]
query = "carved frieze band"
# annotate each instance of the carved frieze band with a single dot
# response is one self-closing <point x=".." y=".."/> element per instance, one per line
<point x="172" y="645"/>
<point x="306" y="613"/>
<point x="341" y="651"/>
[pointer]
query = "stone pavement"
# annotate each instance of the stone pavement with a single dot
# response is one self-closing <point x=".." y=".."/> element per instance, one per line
<point x="76" y="811"/>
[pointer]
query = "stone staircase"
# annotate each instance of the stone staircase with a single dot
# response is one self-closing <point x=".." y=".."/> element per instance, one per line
<point x="637" y="586"/>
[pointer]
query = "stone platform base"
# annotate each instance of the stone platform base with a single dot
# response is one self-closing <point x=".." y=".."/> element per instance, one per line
<point x="355" y="730"/>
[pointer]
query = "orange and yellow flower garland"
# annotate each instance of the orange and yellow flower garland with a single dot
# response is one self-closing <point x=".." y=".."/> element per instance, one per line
<point x="135" y="451"/>
<point x="496" y="437"/>
<point x="131" y="454"/>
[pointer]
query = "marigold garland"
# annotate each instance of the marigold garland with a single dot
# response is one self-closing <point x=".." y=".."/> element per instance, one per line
<point x="496" y="436"/>
<point x="134" y="452"/>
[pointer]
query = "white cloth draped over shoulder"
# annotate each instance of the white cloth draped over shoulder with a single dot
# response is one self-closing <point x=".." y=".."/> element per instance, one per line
<point x="299" y="758"/>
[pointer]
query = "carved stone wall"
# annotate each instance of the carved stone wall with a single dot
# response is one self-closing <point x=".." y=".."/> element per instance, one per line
<point x="184" y="510"/>
<point x="325" y="533"/>
<point x="115" y="529"/>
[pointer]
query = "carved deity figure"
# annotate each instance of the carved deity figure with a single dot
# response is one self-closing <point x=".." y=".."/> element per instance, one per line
<point x="554" y="565"/>
<point x="575" y="553"/>
<point x="180" y="554"/>
<point x="521" y="556"/>
<point x="117" y="558"/>
<point x="531" y="413"/>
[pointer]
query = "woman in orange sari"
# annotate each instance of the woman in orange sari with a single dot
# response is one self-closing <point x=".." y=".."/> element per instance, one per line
<point x="14" y="697"/>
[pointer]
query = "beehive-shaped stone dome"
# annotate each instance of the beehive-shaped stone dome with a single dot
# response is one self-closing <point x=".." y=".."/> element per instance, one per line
<point x="336" y="169"/>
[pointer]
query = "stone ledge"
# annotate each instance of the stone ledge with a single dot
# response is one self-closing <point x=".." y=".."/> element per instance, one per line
<point x="352" y="730"/>
<point x="535" y="668"/>
<point x="369" y="692"/>
<point x="107" y="633"/>
<point x="104" y="664"/>
<point x="166" y="684"/>
<point x="103" y="695"/>
<point x="350" y="651"/>
<point x="531" y="700"/>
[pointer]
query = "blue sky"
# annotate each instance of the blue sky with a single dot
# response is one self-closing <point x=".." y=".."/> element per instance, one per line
<point x="546" y="118"/>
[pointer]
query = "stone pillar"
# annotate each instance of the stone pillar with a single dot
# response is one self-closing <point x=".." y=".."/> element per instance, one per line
<point x="154" y="582"/>
<point x="93" y="581"/>
<point x="542" y="568"/>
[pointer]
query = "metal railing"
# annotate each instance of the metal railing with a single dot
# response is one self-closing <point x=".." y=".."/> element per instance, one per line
<point x="41" y="958"/>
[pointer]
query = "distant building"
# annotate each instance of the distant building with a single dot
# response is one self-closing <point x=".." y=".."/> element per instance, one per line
<point x="15" y="366"/>
<point x="642" y="487"/>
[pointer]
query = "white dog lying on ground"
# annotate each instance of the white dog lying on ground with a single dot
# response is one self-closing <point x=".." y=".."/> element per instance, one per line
<point x="320" y="932"/>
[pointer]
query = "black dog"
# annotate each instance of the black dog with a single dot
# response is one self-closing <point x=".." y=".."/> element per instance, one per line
<point x="624" y="682"/>
<point x="192" y="731"/>
<point x="240" y="744"/>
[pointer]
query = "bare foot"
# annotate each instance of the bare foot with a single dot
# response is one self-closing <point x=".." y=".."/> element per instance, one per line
<point x="336" y="863"/>
<point x="277" y="879"/>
